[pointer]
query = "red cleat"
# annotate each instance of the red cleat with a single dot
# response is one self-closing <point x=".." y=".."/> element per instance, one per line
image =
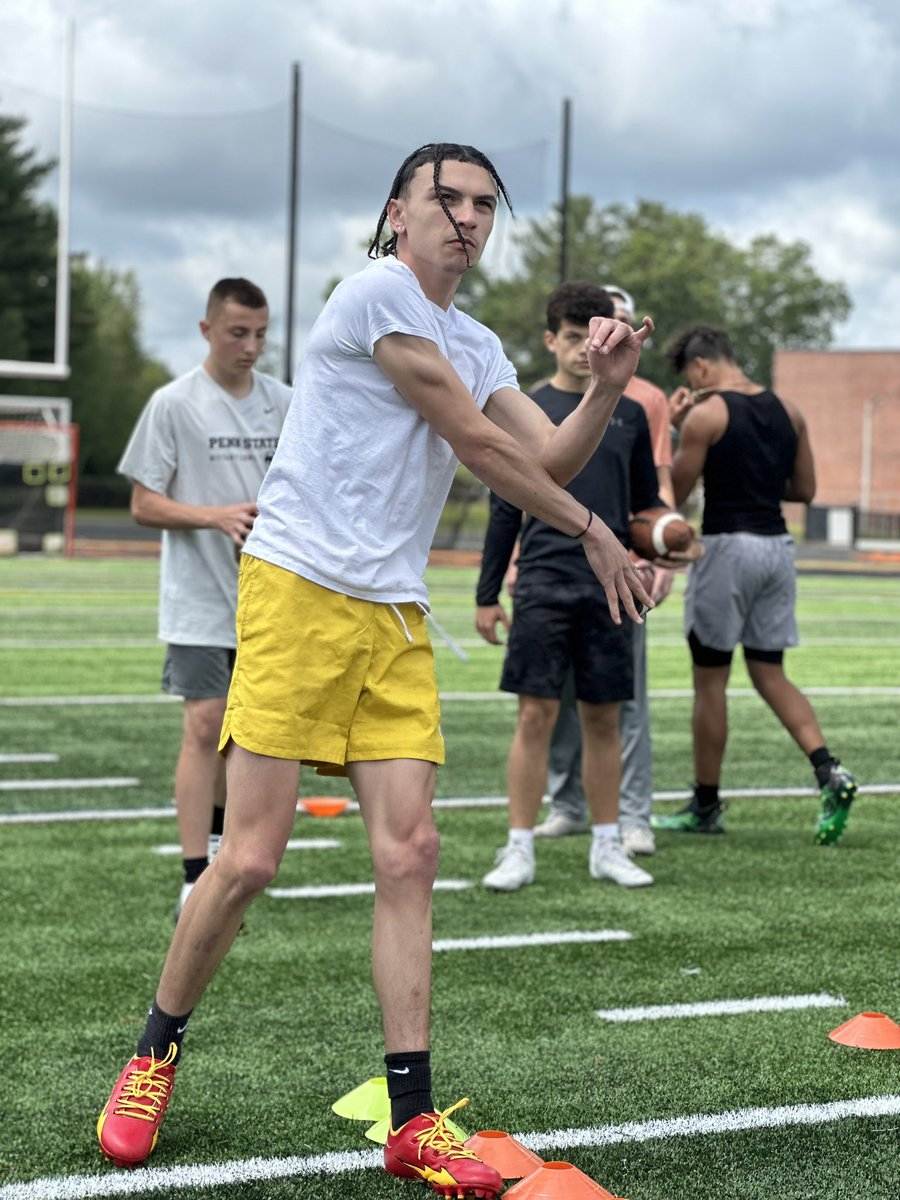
<point x="424" y="1148"/>
<point x="129" y="1124"/>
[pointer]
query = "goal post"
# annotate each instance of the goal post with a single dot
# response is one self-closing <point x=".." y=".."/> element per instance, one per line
<point x="38" y="486"/>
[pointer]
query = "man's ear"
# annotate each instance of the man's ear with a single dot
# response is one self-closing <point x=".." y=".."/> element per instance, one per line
<point x="396" y="215"/>
<point x="204" y="328"/>
<point x="549" y="339"/>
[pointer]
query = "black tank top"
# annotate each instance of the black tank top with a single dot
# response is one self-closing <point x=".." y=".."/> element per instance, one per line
<point x="746" y="471"/>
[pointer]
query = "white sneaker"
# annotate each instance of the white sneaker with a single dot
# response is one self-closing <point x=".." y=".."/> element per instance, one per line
<point x="186" y="889"/>
<point x="638" y="839"/>
<point x="558" y="824"/>
<point x="514" y="869"/>
<point x="609" y="861"/>
<point x="212" y="845"/>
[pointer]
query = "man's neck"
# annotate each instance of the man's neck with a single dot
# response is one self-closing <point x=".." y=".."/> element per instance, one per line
<point x="238" y="384"/>
<point x="439" y="286"/>
<point x="564" y="382"/>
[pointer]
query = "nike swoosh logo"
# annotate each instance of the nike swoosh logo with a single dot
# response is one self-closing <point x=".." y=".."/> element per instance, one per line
<point x="397" y="1071"/>
<point x="181" y="1028"/>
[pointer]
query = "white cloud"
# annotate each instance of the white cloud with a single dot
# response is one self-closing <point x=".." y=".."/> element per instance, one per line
<point x="763" y="115"/>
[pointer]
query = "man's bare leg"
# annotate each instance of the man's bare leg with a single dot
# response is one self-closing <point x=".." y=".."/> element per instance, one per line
<point x="787" y="702"/>
<point x="199" y="774"/>
<point x="262" y="803"/>
<point x="528" y="755"/>
<point x="395" y="801"/>
<point x="710" y="722"/>
<point x="601" y="760"/>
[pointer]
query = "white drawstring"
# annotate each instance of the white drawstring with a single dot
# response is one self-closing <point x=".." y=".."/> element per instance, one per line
<point x="409" y="636"/>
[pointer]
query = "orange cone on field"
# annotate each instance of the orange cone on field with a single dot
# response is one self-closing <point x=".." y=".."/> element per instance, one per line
<point x="502" y="1152"/>
<point x="324" y="806"/>
<point x="557" y="1181"/>
<point x="368" y="1102"/>
<point x="868" y="1031"/>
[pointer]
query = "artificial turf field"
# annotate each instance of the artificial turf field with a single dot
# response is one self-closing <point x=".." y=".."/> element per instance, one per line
<point x="757" y="1105"/>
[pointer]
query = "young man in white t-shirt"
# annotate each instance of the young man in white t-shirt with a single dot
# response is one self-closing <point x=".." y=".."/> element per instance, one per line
<point x="334" y="665"/>
<point x="196" y="459"/>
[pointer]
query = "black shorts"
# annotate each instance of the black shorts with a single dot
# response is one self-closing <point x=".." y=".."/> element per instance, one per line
<point x="555" y="628"/>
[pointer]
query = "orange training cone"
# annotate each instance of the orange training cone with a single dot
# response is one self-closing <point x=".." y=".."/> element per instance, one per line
<point x="502" y="1152"/>
<point x="868" y="1031"/>
<point x="368" y="1102"/>
<point x="324" y="806"/>
<point x="557" y="1181"/>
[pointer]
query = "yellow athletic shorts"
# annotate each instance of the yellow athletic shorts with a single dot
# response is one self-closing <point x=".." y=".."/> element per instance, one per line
<point x="327" y="679"/>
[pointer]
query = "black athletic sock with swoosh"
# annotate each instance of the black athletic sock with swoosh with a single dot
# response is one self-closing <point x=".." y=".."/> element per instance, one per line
<point x="160" y="1032"/>
<point x="409" y="1085"/>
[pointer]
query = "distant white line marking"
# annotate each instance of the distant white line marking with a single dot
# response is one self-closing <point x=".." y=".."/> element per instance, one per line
<point x="80" y="644"/>
<point x="79" y="701"/>
<point x="469" y="697"/>
<point x="253" y="1170"/>
<point x="139" y="814"/>
<point x="722" y="1008"/>
<point x="99" y="814"/>
<point x="511" y="941"/>
<point x="57" y="785"/>
<point x="329" y="890"/>
<point x="294" y="844"/>
<point x="6" y="759"/>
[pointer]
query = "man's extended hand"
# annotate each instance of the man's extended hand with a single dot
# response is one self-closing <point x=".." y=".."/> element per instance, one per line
<point x="487" y="618"/>
<point x="613" y="349"/>
<point x="611" y="564"/>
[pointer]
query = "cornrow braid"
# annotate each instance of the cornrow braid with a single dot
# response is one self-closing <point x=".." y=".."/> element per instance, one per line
<point x="437" y="153"/>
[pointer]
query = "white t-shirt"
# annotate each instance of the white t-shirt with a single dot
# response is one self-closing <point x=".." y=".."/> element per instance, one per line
<point x="357" y="485"/>
<point x="196" y="443"/>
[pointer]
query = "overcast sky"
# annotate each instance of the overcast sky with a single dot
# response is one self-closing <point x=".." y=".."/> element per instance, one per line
<point x="763" y="115"/>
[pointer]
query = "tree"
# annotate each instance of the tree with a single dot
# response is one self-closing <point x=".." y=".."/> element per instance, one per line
<point x="767" y="296"/>
<point x="111" y="376"/>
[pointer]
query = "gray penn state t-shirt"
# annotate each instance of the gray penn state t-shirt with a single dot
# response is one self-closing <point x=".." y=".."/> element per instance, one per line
<point x="196" y="443"/>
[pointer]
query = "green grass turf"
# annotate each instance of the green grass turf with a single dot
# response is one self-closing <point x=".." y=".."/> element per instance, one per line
<point x="290" y="1023"/>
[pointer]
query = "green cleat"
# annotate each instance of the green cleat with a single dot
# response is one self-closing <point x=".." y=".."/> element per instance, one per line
<point x="691" y="820"/>
<point x="836" y="797"/>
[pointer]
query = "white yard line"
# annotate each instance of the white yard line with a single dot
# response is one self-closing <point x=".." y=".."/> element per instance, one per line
<point x="446" y="802"/>
<point x="513" y="941"/>
<point x="466" y="697"/>
<point x="173" y="848"/>
<point x="7" y="759"/>
<point x="722" y="1008"/>
<point x="329" y="891"/>
<point x="56" y="785"/>
<point x="253" y="1170"/>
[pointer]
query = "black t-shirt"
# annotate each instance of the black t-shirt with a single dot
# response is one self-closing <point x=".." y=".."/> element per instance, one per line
<point x="619" y="479"/>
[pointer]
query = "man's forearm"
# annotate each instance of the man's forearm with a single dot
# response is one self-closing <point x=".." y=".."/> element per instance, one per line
<point x="162" y="512"/>
<point x="567" y="451"/>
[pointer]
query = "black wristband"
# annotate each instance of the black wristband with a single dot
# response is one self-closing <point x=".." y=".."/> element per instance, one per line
<point x="587" y="527"/>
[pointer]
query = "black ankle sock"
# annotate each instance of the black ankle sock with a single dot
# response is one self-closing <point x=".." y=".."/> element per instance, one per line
<point x="218" y="820"/>
<point x="193" y="868"/>
<point x="706" y="797"/>
<point x="822" y="763"/>
<point x="160" y="1032"/>
<point x="409" y="1085"/>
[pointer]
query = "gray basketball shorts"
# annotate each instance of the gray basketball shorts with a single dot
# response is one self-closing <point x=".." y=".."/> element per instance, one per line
<point x="743" y="589"/>
<point x="197" y="672"/>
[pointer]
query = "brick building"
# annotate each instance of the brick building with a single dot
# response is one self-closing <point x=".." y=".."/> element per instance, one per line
<point x="851" y="402"/>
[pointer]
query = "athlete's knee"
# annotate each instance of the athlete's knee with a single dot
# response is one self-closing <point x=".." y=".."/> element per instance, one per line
<point x="203" y="724"/>
<point x="247" y="873"/>
<point x="537" y="717"/>
<point x="410" y="857"/>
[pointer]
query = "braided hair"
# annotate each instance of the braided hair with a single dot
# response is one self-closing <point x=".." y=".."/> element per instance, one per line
<point x="437" y="153"/>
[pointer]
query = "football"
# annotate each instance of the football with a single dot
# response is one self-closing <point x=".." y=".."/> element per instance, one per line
<point x="656" y="532"/>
